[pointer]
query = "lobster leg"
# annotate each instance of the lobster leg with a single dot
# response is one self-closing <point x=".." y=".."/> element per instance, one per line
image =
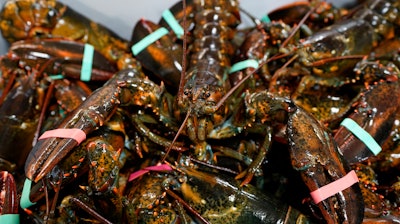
<point x="257" y="162"/>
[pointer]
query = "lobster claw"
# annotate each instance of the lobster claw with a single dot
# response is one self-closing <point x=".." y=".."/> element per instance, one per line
<point x="375" y="113"/>
<point x="63" y="56"/>
<point x="8" y="195"/>
<point x="315" y="155"/>
<point x="163" y="57"/>
<point x="90" y="115"/>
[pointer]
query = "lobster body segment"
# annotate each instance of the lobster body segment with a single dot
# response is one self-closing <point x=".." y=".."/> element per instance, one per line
<point x="206" y="80"/>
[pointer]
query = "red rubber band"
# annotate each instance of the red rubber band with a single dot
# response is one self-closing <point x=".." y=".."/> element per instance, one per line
<point x="74" y="133"/>
<point x="161" y="167"/>
<point x="334" y="187"/>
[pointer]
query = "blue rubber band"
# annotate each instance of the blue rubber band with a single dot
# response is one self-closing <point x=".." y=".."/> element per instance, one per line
<point x="87" y="62"/>
<point x="56" y="77"/>
<point x="265" y="19"/>
<point x="249" y="63"/>
<point x="149" y="39"/>
<point x="9" y="219"/>
<point x="173" y="23"/>
<point x="361" y="134"/>
<point x="25" y="201"/>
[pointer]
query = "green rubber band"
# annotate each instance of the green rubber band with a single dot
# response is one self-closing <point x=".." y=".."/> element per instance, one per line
<point x="361" y="134"/>
<point x="249" y="63"/>
<point x="149" y="39"/>
<point x="87" y="62"/>
<point x="173" y="23"/>
<point x="56" y="77"/>
<point x="25" y="201"/>
<point x="9" y="219"/>
<point x="265" y="19"/>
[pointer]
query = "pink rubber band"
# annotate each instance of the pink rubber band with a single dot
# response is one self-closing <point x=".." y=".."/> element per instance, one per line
<point x="334" y="187"/>
<point x="162" y="167"/>
<point x="74" y="133"/>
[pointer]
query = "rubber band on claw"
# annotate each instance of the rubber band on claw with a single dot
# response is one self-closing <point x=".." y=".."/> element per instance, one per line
<point x="363" y="135"/>
<point x="74" y="133"/>
<point x="56" y="77"/>
<point x="173" y="23"/>
<point x="250" y="63"/>
<point x="149" y="39"/>
<point x="266" y="19"/>
<point x="25" y="202"/>
<point x="9" y="219"/>
<point x="87" y="63"/>
<point x="162" y="167"/>
<point x="334" y="187"/>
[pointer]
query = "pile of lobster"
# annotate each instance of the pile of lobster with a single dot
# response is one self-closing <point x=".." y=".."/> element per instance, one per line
<point x="292" y="120"/>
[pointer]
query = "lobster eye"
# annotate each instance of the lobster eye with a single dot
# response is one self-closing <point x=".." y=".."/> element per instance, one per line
<point x="207" y="94"/>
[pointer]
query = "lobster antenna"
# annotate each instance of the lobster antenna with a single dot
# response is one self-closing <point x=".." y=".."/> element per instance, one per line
<point x="255" y="20"/>
<point x="302" y="21"/>
<point x="46" y="102"/>
<point x="186" y="205"/>
<point x="177" y="134"/>
<point x="325" y="60"/>
<point x="182" y="81"/>
<point x="49" y="93"/>
<point x="184" y="49"/>
<point x="233" y="89"/>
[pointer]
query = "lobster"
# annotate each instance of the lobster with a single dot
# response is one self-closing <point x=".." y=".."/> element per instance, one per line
<point x="333" y="51"/>
<point x="188" y="190"/>
<point x="29" y="77"/>
<point x="131" y="87"/>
